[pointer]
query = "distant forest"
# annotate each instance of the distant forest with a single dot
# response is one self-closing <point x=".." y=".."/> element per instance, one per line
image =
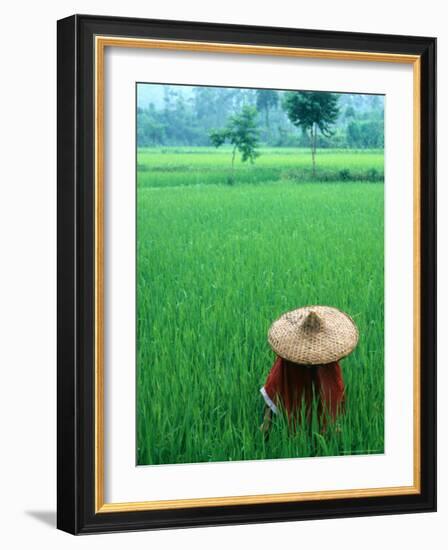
<point x="170" y="115"/>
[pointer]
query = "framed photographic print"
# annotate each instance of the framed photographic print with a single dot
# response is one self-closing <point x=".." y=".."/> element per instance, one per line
<point x="246" y="274"/>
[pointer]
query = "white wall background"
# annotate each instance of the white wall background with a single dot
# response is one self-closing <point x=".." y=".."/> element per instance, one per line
<point x="28" y="272"/>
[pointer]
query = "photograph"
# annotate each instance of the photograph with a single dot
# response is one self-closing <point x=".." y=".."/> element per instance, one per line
<point x="259" y="274"/>
<point x="246" y="274"/>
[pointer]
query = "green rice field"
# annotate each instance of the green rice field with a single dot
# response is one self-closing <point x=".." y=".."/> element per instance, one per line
<point x="217" y="263"/>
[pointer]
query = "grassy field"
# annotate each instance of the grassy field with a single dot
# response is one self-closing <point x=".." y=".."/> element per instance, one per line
<point x="171" y="167"/>
<point x="217" y="264"/>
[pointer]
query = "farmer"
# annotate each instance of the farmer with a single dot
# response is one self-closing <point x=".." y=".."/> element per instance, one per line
<point x="309" y="343"/>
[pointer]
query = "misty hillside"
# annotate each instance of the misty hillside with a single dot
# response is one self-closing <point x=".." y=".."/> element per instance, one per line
<point x="185" y="115"/>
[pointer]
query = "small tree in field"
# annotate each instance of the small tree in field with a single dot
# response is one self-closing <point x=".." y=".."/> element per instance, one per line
<point x="241" y="131"/>
<point x="312" y="111"/>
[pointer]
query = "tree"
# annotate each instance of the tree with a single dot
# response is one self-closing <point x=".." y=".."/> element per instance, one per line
<point x="151" y="131"/>
<point x="365" y="133"/>
<point x="266" y="100"/>
<point x="241" y="132"/>
<point x="312" y="111"/>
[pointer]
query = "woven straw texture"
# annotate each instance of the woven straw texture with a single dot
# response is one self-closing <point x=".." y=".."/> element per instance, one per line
<point x="313" y="335"/>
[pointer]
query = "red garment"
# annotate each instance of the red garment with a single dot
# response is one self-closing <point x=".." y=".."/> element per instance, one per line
<point x="288" y="384"/>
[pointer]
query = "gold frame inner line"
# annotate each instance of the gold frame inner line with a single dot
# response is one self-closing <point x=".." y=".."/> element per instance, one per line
<point x="101" y="42"/>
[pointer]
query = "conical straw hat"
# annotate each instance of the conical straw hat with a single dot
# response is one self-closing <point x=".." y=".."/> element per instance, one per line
<point x="313" y="335"/>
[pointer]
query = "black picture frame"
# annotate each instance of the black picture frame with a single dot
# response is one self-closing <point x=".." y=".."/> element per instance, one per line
<point x="76" y="287"/>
